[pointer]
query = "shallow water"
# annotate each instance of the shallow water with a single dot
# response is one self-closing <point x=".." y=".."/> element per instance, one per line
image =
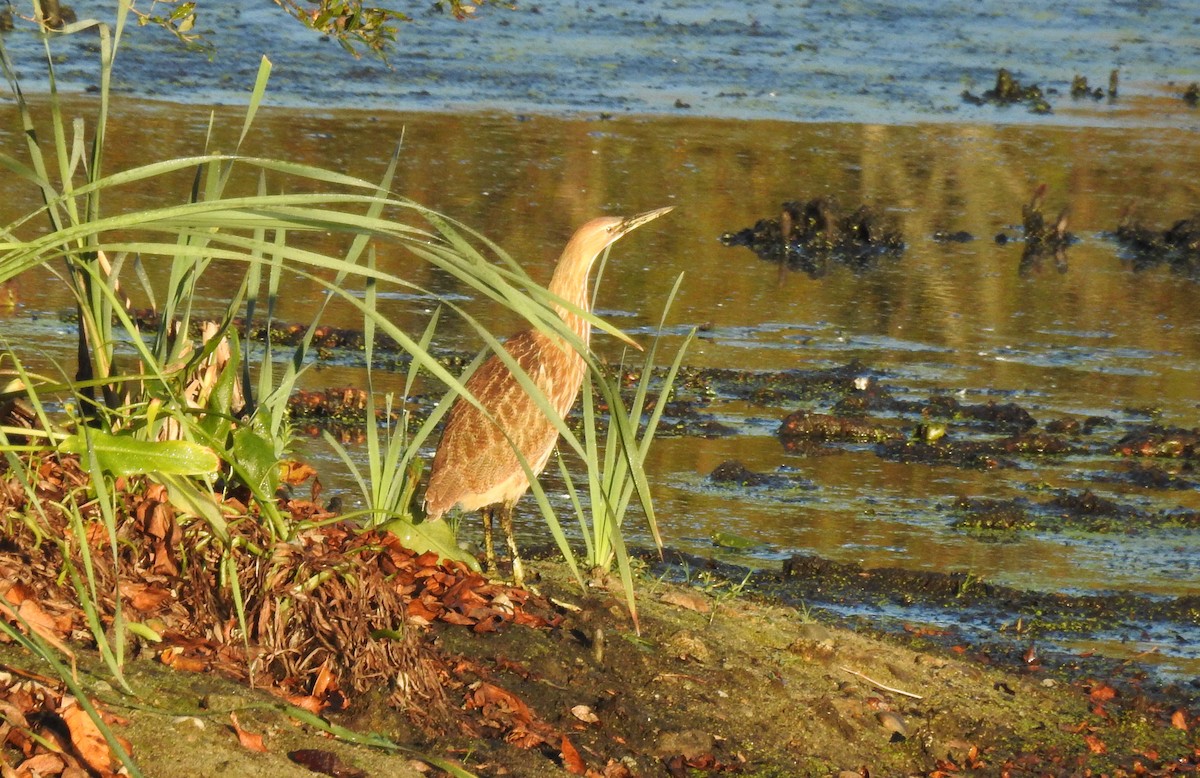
<point x="822" y="60"/>
<point x="1096" y="338"/>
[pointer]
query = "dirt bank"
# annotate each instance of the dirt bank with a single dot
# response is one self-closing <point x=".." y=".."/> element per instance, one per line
<point x="717" y="681"/>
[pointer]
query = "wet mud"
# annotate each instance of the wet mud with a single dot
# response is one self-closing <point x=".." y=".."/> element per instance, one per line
<point x="996" y="621"/>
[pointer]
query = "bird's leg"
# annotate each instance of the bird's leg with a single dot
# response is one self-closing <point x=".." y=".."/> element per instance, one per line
<point x="489" y="548"/>
<point x="506" y="523"/>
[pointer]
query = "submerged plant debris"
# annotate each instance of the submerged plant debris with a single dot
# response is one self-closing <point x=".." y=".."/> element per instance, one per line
<point x="1176" y="247"/>
<point x="1009" y="91"/>
<point x="811" y="235"/>
<point x="1068" y="511"/>
<point x="1043" y="237"/>
<point x="1081" y="90"/>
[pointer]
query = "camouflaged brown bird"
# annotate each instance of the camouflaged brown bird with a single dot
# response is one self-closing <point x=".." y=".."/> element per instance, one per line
<point x="476" y="467"/>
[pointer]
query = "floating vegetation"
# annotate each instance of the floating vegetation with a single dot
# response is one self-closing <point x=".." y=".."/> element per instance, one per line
<point x="992" y="416"/>
<point x="1081" y="90"/>
<point x="1009" y="91"/>
<point x="809" y="235"/>
<point x="1042" y="237"/>
<point x="1067" y="510"/>
<point x="803" y="425"/>
<point x="1156" y="441"/>
<point x="733" y="473"/>
<point x="960" y="236"/>
<point x="1177" y="247"/>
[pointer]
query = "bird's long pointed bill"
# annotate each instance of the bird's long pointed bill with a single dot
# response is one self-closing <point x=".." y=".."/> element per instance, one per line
<point x="626" y="227"/>
<point x="633" y="222"/>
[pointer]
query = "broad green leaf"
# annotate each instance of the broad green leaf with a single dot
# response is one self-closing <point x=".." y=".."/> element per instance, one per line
<point x="256" y="454"/>
<point x="126" y="455"/>
<point x="436" y="536"/>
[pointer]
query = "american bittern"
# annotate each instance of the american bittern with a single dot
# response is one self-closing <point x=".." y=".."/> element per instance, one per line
<point x="476" y="465"/>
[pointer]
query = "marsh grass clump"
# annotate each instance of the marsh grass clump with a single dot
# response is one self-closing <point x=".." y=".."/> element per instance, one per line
<point x="810" y="235"/>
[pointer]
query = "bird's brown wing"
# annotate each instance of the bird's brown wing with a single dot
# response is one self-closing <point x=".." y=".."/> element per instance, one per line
<point x="474" y="458"/>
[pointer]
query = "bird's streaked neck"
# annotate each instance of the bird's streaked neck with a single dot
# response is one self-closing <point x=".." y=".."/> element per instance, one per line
<point x="570" y="282"/>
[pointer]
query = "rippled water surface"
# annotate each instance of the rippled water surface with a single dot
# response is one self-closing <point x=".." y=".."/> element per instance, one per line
<point x="520" y="152"/>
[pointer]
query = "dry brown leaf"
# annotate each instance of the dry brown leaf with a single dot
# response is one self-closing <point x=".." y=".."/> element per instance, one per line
<point x="615" y="769"/>
<point x="307" y="702"/>
<point x="295" y="473"/>
<point x="144" y="597"/>
<point x="42" y="764"/>
<point x="87" y="739"/>
<point x="490" y="694"/>
<point x="690" y="600"/>
<point x="16" y="593"/>
<point x="1179" y="720"/>
<point x="11" y="714"/>
<point x="249" y="740"/>
<point x="324" y="680"/>
<point x="43" y="624"/>
<point x="1095" y="744"/>
<point x="173" y="658"/>
<point x="1102" y="692"/>
<point x="585" y="714"/>
<point x="572" y="761"/>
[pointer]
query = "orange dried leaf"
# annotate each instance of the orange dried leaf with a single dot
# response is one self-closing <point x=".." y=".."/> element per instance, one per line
<point x="1095" y="744"/>
<point x="249" y="740"/>
<point x="490" y="694"/>
<point x="306" y="702"/>
<point x="16" y="593"/>
<point x="1102" y="693"/>
<point x="572" y="761"/>
<point x="296" y="473"/>
<point x="615" y="769"/>
<point x="173" y="658"/>
<point x="87" y="739"/>
<point x="428" y="559"/>
<point x="324" y="680"/>
<point x="1179" y="720"/>
<point x="43" y="624"/>
<point x="144" y="597"/>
